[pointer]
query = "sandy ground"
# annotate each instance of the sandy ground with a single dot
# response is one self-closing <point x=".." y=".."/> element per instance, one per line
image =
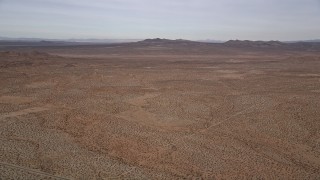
<point x="157" y="113"/>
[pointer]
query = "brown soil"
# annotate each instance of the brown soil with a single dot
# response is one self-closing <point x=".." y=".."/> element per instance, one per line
<point x="159" y="111"/>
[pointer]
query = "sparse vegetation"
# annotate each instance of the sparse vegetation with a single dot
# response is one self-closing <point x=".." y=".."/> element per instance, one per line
<point x="160" y="109"/>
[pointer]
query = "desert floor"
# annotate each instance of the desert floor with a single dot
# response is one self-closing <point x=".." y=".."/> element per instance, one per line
<point x="159" y="112"/>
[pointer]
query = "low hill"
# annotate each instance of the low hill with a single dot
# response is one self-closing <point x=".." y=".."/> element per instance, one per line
<point x="167" y="41"/>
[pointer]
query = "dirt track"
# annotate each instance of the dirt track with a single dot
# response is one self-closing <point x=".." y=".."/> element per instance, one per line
<point x="154" y="113"/>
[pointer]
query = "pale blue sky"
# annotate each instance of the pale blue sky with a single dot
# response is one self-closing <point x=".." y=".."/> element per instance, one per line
<point x="138" y="19"/>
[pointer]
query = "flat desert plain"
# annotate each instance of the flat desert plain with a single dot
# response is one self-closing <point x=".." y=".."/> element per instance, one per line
<point x="160" y="109"/>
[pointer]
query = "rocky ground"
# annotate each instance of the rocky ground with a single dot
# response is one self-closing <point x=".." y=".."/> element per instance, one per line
<point x="141" y="111"/>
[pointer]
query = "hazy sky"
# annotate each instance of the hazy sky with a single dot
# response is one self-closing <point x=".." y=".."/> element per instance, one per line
<point x="187" y="19"/>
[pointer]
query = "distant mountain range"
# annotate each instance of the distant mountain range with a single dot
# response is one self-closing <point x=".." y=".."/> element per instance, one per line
<point x="70" y="40"/>
<point x="92" y="40"/>
<point x="311" y="45"/>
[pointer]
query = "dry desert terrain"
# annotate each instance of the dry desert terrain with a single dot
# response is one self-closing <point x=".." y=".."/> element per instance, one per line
<point x="160" y="109"/>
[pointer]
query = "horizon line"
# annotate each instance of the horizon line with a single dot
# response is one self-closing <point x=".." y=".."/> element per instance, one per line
<point x="2" y="38"/>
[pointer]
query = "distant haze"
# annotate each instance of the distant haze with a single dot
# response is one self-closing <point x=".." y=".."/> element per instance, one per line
<point x="174" y="19"/>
